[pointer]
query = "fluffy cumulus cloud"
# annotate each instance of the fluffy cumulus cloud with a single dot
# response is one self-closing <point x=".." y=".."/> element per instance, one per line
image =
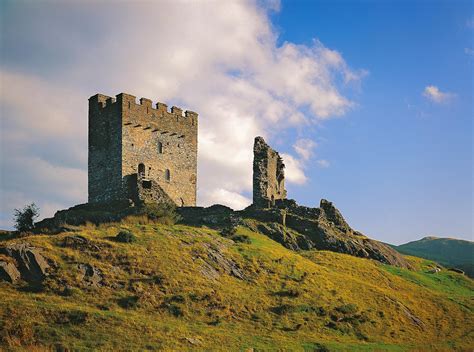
<point x="218" y="58"/>
<point x="434" y="94"/>
<point x="294" y="169"/>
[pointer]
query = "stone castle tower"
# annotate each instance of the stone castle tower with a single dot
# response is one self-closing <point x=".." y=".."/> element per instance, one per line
<point x="141" y="152"/>
<point x="268" y="175"/>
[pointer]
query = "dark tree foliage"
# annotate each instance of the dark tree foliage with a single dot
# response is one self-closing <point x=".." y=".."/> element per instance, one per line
<point x="24" y="218"/>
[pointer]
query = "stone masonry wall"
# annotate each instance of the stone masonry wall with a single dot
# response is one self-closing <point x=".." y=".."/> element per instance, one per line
<point x="268" y="175"/>
<point x="105" y="150"/>
<point x="164" y="142"/>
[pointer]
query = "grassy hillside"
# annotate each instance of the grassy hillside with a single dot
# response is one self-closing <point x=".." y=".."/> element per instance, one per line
<point x="446" y="251"/>
<point x="183" y="288"/>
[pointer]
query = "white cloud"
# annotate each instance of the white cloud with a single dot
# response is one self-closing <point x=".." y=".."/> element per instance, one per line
<point x="220" y="59"/>
<point x="232" y="199"/>
<point x="434" y="94"/>
<point x="304" y="148"/>
<point x="323" y="163"/>
<point x="294" y="169"/>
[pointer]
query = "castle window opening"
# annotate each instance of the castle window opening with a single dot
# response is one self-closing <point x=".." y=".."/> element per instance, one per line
<point x="146" y="184"/>
<point x="141" y="170"/>
<point x="149" y="171"/>
<point x="167" y="175"/>
<point x="160" y="148"/>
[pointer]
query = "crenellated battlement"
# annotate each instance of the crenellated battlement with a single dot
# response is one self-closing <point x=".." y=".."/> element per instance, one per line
<point x="130" y="136"/>
<point x="143" y="106"/>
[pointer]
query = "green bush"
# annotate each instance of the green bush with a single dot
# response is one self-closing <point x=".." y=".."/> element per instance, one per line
<point x="125" y="236"/>
<point x="163" y="213"/>
<point x="229" y="231"/>
<point x="347" y="309"/>
<point x="129" y="302"/>
<point x="24" y="219"/>
<point x="241" y="238"/>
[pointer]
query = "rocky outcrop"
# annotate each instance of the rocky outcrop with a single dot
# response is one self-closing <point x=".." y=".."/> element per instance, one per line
<point x="298" y="228"/>
<point x="301" y="228"/>
<point x="9" y="272"/>
<point x="29" y="263"/>
<point x="90" y="275"/>
<point x="216" y="262"/>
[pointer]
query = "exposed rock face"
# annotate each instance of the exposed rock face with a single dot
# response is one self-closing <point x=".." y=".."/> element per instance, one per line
<point x="298" y="228"/>
<point x="321" y="228"/>
<point x="268" y="175"/>
<point x="9" y="272"/>
<point x="217" y="262"/>
<point x="333" y="215"/>
<point x="90" y="275"/>
<point x="30" y="264"/>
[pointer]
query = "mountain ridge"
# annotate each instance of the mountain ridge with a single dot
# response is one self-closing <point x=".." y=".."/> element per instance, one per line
<point x="450" y="252"/>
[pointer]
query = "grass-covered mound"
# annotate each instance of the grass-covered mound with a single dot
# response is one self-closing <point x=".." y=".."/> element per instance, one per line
<point x="447" y="251"/>
<point x="178" y="288"/>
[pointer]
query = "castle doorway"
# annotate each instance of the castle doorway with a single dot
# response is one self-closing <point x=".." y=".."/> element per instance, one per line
<point x="141" y="170"/>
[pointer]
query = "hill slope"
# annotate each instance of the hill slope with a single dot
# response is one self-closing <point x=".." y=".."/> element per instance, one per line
<point x="449" y="252"/>
<point x="189" y="288"/>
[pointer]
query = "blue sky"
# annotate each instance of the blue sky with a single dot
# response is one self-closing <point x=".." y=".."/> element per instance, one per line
<point x="401" y="164"/>
<point x="369" y="101"/>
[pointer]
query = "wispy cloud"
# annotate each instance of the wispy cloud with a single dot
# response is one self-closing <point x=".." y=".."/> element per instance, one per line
<point x="323" y="163"/>
<point x="304" y="148"/>
<point x="434" y="94"/>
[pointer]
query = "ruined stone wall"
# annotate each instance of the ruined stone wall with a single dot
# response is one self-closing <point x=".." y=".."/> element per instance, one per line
<point x="268" y="175"/>
<point x="165" y="142"/>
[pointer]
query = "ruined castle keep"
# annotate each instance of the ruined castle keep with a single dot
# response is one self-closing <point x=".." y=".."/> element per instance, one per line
<point x="268" y="175"/>
<point x="141" y="152"/>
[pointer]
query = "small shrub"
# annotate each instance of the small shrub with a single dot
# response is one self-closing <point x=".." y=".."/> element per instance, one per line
<point x="70" y="291"/>
<point x="74" y="317"/>
<point x="282" y="309"/>
<point x="241" y="239"/>
<point x="288" y="293"/>
<point x="125" y="236"/>
<point x="320" y="311"/>
<point x="24" y="219"/>
<point x="128" y="302"/>
<point x="229" y="231"/>
<point x="347" y="309"/>
<point x="162" y="213"/>
<point x="176" y="310"/>
<point x="320" y="348"/>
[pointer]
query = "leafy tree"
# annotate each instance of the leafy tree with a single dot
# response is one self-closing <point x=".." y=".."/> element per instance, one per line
<point x="24" y="218"/>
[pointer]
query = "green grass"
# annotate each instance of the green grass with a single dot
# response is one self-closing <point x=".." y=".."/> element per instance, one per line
<point x="157" y="297"/>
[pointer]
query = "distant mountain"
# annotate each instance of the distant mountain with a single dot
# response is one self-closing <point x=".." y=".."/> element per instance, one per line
<point x="449" y="252"/>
